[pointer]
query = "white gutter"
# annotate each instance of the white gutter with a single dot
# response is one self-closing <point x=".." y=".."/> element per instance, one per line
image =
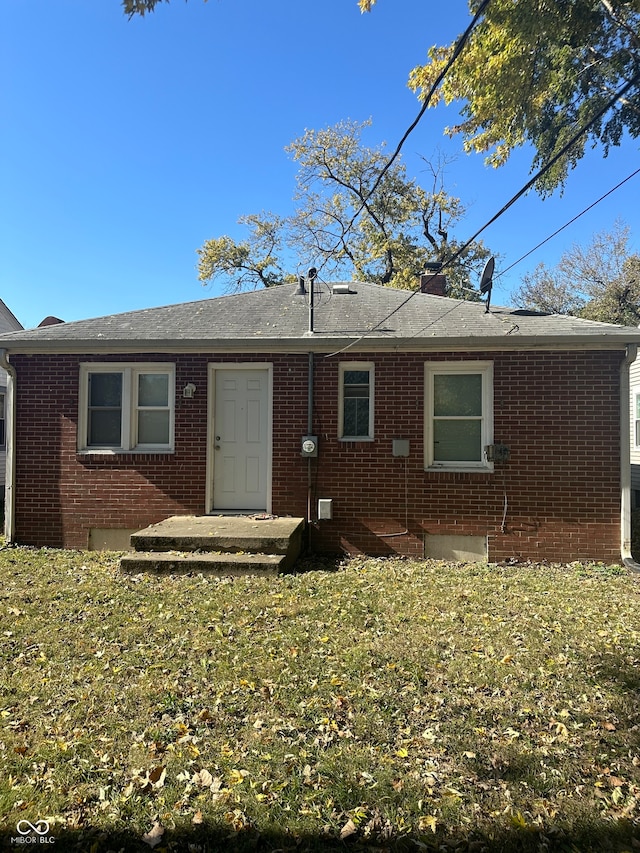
<point x="10" y="423"/>
<point x="625" y="461"/>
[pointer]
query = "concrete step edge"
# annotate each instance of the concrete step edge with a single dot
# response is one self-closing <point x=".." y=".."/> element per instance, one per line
<point x="176" y="561"/>
<point x="228" y="544"/>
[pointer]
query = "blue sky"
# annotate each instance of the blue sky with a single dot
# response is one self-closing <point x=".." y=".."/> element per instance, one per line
<point x="126" y="143"/>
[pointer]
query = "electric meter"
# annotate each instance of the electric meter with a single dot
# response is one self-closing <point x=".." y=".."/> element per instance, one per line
<point x="310" y="445"/>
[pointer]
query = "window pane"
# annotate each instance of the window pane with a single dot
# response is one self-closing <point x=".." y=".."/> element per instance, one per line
<point x="153" y="427"/>
<point x="356" y="377"/>
<point x="105" y="389"/>
<point x="356" y="391"/>
<point x="457" y="441"/>
<point x="105" y="410"/>
<point x="2" y="425"/>
<point x="457" y="395"/>
<point x="153" y="389"/>
<point x="356" y="417"/>
<point x="637" y="405"/>
<point x="104" y="427"/>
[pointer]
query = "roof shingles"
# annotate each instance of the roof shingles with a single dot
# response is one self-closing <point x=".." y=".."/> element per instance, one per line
<point x="371" y="315"/>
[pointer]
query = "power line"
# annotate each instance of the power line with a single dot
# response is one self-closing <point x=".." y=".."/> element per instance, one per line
<point x="570" y="222"/>
<point x="539" y="174"/>
<point x="457" y="50"/>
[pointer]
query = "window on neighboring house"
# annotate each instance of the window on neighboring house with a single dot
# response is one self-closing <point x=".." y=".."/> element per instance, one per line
<point x="636" y="418"/>
<point x="126" y="407"/>
<point x="459" y="415"/>
<point x="356" y="401"/>
<point x="3" y="418"/>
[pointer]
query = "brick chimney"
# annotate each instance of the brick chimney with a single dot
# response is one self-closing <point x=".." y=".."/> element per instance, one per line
<point x="434" y="283"/>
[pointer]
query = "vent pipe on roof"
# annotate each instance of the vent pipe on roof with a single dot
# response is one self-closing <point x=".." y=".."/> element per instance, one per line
<point x="309" y="280"/>
<point x="311" y="276"/>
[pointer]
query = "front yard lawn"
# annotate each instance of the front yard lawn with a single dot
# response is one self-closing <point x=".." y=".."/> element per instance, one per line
<point x="384" y="704"/>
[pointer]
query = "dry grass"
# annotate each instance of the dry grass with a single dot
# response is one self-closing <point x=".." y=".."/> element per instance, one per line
<point x="387" y="703"/>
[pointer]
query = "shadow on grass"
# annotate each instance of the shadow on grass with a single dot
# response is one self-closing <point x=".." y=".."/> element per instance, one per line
<point x="624" y="676"/>
<point x="594" y="837"/>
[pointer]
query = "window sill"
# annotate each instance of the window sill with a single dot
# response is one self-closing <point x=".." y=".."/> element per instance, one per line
<point x="139" y="451"/>
<point x="354" y="438"/>
<point x="460" y="469"/>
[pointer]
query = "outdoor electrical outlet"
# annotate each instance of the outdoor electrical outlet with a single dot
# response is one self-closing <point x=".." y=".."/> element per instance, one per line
<point x="497" y="453"/>
<point x="325" y="509"/>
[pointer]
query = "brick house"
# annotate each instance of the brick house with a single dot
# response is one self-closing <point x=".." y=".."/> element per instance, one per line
<point x="417" y="425"/>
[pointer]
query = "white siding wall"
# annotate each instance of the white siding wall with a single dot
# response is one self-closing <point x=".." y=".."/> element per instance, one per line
<point x="634" y="382"/>
<point x="8" y="323"/>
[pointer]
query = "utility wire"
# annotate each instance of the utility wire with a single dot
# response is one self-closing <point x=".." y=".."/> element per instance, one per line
<point x="542" y="171"/>
<point x="570" y="222"/>
<point x="457" y="50"/>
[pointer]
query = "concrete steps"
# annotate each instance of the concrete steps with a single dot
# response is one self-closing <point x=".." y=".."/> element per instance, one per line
<point x="224" y="545"/>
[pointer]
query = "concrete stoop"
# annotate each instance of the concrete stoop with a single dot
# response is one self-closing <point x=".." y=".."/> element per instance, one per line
<point x="224" y="545"/>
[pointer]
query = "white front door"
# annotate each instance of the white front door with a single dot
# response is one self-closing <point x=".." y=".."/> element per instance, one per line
<point x="241" y="439"/>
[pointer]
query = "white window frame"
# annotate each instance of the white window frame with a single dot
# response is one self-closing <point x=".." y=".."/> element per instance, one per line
<point x="485" y="370"/>
<point x="346" y="366"/>
<point x="635" y="418"/>
<point x="3" y="418"/>
<point x="128" y="431"/>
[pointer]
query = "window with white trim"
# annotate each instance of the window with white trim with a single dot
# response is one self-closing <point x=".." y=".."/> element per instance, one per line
<point x="458" y="415"/>
<point x="636" y="418"/>
<point x="355" y="405"/>
<point x="3" y="420"/>
<point x="125" y="407"/>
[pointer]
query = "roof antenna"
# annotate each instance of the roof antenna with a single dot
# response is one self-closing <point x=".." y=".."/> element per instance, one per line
<point x="486" y="280"/>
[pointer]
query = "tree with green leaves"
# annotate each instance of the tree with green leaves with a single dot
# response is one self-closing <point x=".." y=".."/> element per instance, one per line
<point x="353" y="218"/>
<point x="600" y="281"/>
<point x="141" y="7"/>
<point x="537" y="71"/>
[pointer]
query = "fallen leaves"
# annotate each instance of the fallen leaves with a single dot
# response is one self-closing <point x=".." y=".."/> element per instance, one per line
<point x="154" y="836"/>
<point x="151" y="780"/>
<point x="486" y="696"/>
<point x="348" y="830"/>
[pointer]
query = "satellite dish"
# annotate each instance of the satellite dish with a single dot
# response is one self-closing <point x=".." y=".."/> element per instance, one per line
<point x="486" y="280"/>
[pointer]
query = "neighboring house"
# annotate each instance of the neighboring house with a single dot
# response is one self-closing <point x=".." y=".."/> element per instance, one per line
<point x="635" y="432"/>
<point x="8" y="323"/>
<point x="417" y="425"/>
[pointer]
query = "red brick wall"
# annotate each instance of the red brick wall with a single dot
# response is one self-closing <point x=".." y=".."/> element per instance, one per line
<point x="557" y="412"/>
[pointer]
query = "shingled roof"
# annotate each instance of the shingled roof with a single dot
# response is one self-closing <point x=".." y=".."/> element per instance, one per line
<point x="277" y="319"/>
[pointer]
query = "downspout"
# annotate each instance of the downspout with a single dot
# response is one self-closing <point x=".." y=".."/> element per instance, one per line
<point x="310" y="378"/>
<point x="625" y="461"/>
<point x="10" y="431"/>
